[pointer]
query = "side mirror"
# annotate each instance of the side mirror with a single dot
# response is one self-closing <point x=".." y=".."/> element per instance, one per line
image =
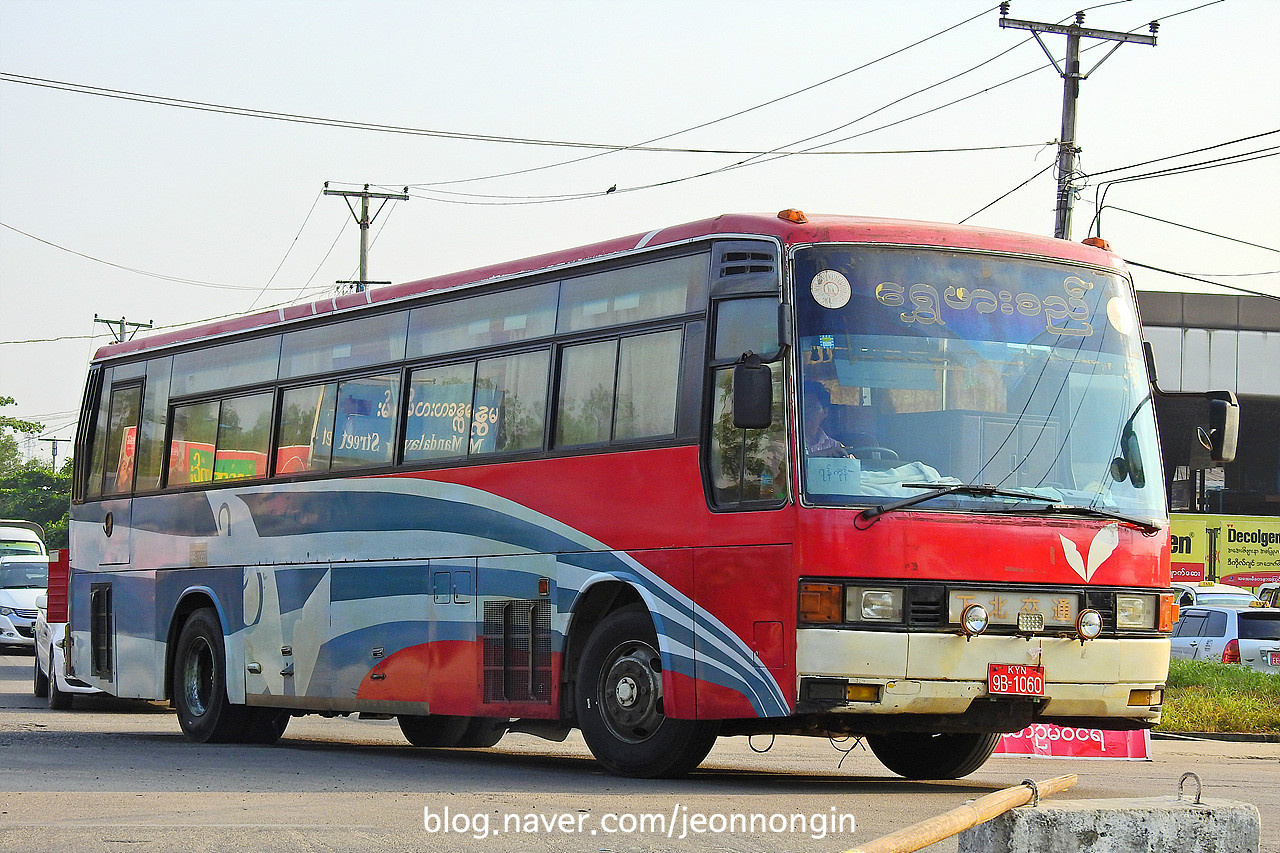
<point x="1224" y="414"/>
<point x="752" y="393"/>
<point x="1224" y="429"/>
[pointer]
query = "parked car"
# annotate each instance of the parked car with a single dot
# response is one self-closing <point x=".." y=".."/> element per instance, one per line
<point x="1209" y="592"/>
<point x="24" y="569"/>
<point x="1244" y="635"/>
<point x="1269" y="594"/>
<point x="22" y="579"/>
<point x="49" y="680"/>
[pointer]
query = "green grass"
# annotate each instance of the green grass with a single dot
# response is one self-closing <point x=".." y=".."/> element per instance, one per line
<point x="1204" y="696"/>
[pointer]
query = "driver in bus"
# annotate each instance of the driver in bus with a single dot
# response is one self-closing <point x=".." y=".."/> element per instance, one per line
<point x="817" y="403"/>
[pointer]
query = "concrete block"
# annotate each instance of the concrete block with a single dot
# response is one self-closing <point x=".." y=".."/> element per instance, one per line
<point x="1139" y="825"/>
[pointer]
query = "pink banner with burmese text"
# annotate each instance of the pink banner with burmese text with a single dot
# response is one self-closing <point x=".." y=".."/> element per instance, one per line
<point x="1049" y="741"/>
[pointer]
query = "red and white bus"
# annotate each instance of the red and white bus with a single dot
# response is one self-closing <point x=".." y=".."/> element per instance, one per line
<point x="754" y="474"/>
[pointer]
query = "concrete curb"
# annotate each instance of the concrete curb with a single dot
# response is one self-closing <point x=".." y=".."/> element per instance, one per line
<point x="1238" y="737"/>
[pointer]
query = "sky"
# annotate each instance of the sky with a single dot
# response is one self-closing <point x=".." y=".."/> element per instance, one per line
<point x="124" y="207"/>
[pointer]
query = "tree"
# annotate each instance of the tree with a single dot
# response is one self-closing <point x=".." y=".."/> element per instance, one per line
<point x="32" y="490"/>
<point x="10" y="457"/>
<point x="37" y="493"/>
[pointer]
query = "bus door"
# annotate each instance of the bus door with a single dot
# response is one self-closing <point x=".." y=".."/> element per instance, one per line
<point x="116" y="446"/>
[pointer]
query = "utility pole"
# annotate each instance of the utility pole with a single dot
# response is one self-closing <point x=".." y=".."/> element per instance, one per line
<point x="54" y="443"/>
<point x="122" y="330"/>
<point x="364" y="220"/>
<point x="1071" y="78"/>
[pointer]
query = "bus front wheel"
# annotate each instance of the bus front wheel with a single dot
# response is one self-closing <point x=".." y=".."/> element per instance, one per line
<point x="934" y="756"/>
<point x="200" y="685"/>
<point x="619" y="703"/>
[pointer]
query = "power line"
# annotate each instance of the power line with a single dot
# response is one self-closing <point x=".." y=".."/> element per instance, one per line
<point x="732" y="115"/>
<point x="1202" y="280"/>
<point x="1184" y="153"/>
<point x="161" y="276"/>
<point x="287" y="251"/>
<point x="1199" y="231"/>
<point x="1009" y="193"/>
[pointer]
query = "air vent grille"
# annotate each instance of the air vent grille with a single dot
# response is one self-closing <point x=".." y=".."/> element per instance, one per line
<point x="517" y="651"/>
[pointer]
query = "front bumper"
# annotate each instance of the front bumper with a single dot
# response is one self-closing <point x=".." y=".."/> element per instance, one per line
<point x="942" y="674"/>
<point x="19" y="633"/>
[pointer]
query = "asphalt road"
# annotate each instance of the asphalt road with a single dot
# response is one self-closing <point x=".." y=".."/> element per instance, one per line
<point x="118" y="776"/>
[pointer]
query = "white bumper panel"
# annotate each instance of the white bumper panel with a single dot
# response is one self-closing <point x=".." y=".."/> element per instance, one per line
<point x="943" y="673"/>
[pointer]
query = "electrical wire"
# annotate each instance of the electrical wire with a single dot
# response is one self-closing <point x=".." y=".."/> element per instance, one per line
<point x="161" y="276"/>
<point x="733" y="115"/>
<point x="1009" y="193"/>
<point x="1198" y="231"/>
<point x="1202" y="280"/>
<point x="287" y="251"/>
<point x="1185" y="153"/>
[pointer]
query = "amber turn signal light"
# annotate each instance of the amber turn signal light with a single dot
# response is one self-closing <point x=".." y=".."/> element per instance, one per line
<point x="821" y="603"/>
<point x="1168" y="613"/>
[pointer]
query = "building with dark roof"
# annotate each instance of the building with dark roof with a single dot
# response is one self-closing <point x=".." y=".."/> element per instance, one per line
<point x="1203" y="342"/>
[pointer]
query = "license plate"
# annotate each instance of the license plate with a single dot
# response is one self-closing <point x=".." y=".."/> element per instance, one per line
<point x="1015" y="680"/>
<point x="1273" y="658"/>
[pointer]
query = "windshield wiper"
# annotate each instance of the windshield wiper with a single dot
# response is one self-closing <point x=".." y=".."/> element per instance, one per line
<point x="1070" y="509"/>
<point x="874" y="512"/>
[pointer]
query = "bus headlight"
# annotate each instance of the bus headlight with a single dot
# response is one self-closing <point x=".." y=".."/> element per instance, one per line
<point x="871" y="604"/>
<point x="974" y="620"/>
<point x="1089" y="624"/>
<point x="1136" y="612"/>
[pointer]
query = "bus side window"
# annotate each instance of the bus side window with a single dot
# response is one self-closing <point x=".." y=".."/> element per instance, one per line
<point x="365" y="427"/>
<point x="746" y="465"/>
<point x="121" y="440"/>
<point x="510" y="407"/>
<point x="155" y="409"/>
<point x="191" y="448"/>
<point x="439" y="417"/>
<point x="305" y="439"/>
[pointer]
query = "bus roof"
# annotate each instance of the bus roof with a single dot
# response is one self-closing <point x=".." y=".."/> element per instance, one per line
<point x="817" y="228"/>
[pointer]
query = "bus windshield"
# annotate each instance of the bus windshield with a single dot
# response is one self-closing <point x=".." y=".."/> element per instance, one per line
<point x="922" y="369"/>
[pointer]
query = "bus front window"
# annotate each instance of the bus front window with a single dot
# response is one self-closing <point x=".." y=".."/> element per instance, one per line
<point x="927" y="368"/>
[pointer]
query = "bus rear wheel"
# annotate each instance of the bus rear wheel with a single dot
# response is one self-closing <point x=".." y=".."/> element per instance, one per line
<point x="200" y="685"/>
<point x="619" y="703"/>
<point x="934" y="756"/>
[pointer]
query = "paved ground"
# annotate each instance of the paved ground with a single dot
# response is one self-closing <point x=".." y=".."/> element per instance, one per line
<point x="118" y="776"/>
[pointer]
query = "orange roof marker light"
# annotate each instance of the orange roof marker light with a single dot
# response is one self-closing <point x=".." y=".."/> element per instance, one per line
<point x="1097" y="242"/>
<point x="793" y="215"/>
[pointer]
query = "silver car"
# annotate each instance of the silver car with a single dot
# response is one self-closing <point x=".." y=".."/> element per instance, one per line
<point x="1249" y="636"/>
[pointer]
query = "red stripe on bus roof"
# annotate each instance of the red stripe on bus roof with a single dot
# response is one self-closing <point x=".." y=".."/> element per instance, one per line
<point x="821" y="228"/>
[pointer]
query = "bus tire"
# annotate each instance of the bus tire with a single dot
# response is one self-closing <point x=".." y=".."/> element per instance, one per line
<point x="200" y="684"/>
<point x="933" y="756"/>
<point x="483" y="732"/>
<point x="435" y="730"/>
<point x="40" y="683"/>
<point x="619" y="703"/>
